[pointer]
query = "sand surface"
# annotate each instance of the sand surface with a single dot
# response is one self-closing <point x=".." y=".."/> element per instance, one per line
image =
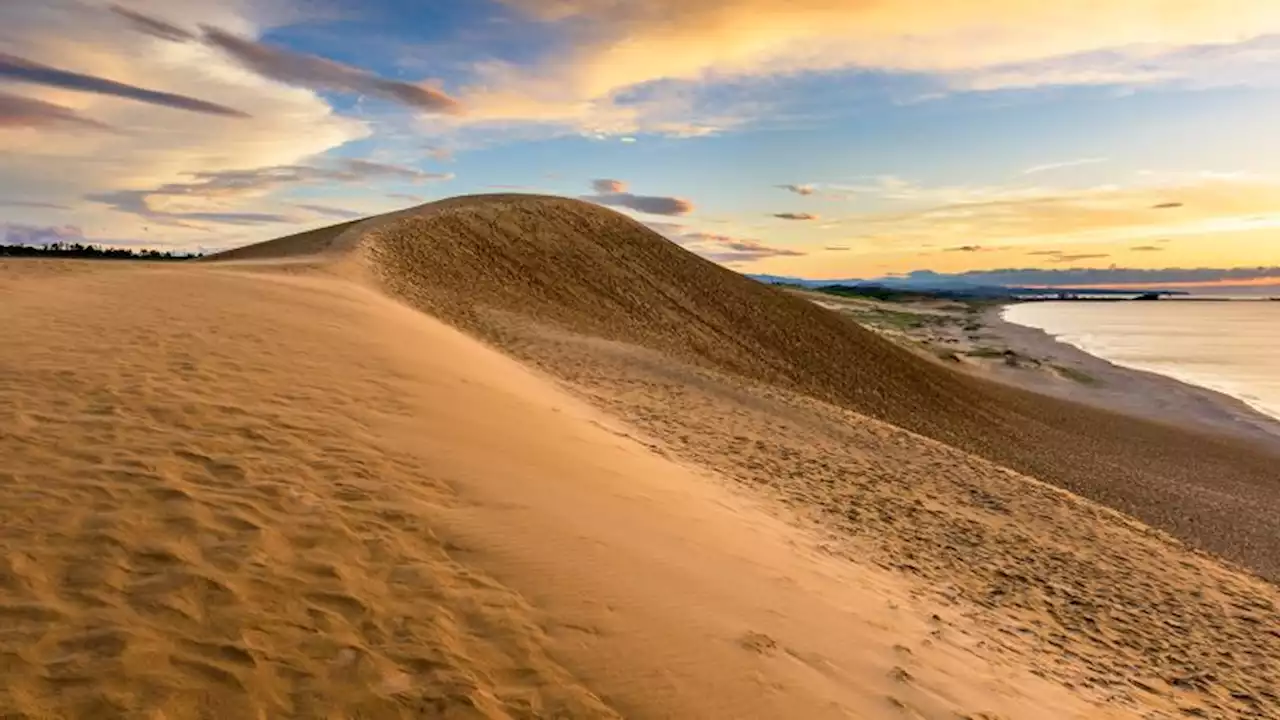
<point x="266" y="489"/>
<point x="247" y="495"/>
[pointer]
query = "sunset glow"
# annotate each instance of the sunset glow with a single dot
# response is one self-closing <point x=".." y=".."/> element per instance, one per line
<point x="812" y="138"/>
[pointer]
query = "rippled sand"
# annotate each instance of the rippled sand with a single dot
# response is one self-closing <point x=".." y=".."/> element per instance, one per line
<point x="278" y="489"/>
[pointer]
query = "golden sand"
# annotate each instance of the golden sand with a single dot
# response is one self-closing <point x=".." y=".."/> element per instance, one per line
<point x="276" y="488"/>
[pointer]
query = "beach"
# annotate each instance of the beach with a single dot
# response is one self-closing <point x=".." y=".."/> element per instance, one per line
<point x="975" y="337"/>
<point x="516" y="456"/>
<point x="1136" y="392"/>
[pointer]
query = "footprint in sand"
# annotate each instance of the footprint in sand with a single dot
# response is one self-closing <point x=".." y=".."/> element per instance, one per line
<point x="758" y="643"/>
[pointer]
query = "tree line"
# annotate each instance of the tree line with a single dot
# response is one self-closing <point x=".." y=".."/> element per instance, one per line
<point x="92" y="252"/>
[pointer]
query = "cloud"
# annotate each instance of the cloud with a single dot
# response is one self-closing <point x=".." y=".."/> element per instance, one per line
<point x="836" y="248"/>
<point x="333" y="212"/>
<point x="152" y="26"/>
<point x="653" y="205"/>
<point x="36" y="204"/>
<point x="617" y="48"/>
<point x="613" y="193"/>
<point x="1063" y="165"/>
<point x="317" y="73"/>
<point x="1046" y="216"/>
<point x="1064" y="258"/>
<point x="18" y="111"/>
<point x="1048" y="253"/>
<point x="16" y="234"/>
<point x="1166" y="206"/>
<point x="406" y="196"/>
<point x="731" y="250"/>
<point x="800" y="189"/>
<point x="718" y="247"/>
<point x="299" y="69"/>
<point x="795" y="216"/>
<point x="149" y="147"/>
<point x="965" y="248"/>
<point x="608" y="186"/>
<point x="182" y="203"/>
<point x="1147" y="248"/>
<point x="16" y="68"/>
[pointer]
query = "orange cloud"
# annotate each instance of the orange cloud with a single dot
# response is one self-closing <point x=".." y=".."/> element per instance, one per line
<point x="1210" y="204"/>
<point x="622" y="45"/>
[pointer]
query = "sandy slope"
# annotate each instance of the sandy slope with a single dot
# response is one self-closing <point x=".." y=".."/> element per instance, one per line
<point x="243" y="494"/>
<point x="266" y="488"/>
<point x="482" y="262"/>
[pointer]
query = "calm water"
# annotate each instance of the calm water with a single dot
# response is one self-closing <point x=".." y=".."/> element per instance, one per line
<point x="1231" y="347"/>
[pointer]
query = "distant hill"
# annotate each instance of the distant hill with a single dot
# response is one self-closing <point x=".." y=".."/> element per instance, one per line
<point x="944" y="287"/>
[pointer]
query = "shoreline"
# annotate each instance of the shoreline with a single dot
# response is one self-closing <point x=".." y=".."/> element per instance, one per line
<point x="975" y="339"/>
<point x="1140" y="393"/>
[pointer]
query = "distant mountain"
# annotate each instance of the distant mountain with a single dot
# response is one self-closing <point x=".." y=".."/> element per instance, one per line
<point x="932" y="283"/>
<point x="936" y="285"/>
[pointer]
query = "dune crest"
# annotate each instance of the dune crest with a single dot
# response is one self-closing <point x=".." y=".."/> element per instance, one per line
<point x="271" y="487"/>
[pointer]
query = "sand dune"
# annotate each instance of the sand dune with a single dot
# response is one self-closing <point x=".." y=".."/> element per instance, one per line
<point x="494" y="265"/>
<point x="244" y="495"/>
<point x="271" y="487"/>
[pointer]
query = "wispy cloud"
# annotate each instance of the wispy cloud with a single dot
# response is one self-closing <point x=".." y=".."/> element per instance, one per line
<point x="1044" y="215"/>
<point x="720" y="247"/>
<point x="795" y="216"/>
<point x="34" y="204"/>
<point x="733" y="250"/>
<point x="319" y="73"/>
<point x="18" y="111"/>
<point x="300" y="69"/>
<point x="407" y="197"/>
<point x="800" y="189"/>
<point x="18" y="69"/>
<point x="1080" y="257"/>
<point x="153" y="26"/>
<point x="1063" y="165"/>
<point x="608" y="186"/>
<point x="333" y="212"/>
<point x="614" y="193"/>
<point x="186" y="202"/>
<point x="617" y="48"/>
<point x="17" y="234"/>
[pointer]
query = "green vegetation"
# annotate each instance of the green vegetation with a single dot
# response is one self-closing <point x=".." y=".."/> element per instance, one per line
<point x="81" y="251"/>
<point x="986" y="351"/>
<point x="873" y="292"/>
<point x="900" y="320"/>
<point x="1079" y="376"/>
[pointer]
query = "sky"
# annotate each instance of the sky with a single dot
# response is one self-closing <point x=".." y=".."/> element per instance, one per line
<point x="1096" y="141"/>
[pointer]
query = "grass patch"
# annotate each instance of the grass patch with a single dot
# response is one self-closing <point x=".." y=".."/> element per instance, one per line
<point x="986" y="352"/>
<point x="896" y="319"/>
<point x="1079" y="376"/>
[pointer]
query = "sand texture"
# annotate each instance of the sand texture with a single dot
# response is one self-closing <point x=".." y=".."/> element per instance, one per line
<point x="516" y="458"/>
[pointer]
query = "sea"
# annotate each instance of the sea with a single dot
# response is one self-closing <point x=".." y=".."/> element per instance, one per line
<point x="1232" y="347"/>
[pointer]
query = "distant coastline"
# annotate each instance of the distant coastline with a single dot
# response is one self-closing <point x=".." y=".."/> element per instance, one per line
<point x="973" y="336"/>
<point x="1135" y="391"/>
